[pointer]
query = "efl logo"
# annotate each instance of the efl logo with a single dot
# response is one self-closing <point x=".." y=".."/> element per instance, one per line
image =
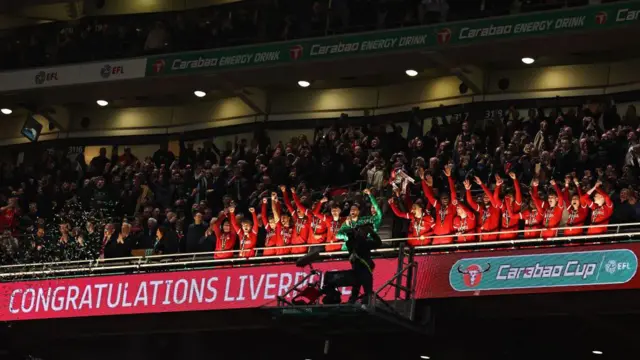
<point x="109" y="70"/>
<point x="472" y="275"/>
<point x="295" y="52"/>
<point x="444" y="36"/>
<point x="158" y="66"/>
<point x="601" y="18"/>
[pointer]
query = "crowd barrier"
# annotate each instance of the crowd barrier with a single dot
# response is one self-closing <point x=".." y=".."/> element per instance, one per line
<point x="616" y="233"/>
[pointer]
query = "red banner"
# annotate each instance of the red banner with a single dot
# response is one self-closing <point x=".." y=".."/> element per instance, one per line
<point x="216" y="289"/>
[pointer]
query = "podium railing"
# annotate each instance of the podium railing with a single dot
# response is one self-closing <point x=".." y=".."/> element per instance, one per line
<point x="615" y="234"/>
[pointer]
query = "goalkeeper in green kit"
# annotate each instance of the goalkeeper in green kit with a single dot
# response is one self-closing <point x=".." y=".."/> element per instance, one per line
<point x="354" y="219"/>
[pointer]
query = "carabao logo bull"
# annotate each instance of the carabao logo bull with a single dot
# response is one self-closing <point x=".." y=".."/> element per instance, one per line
<point x="472" y="275"/>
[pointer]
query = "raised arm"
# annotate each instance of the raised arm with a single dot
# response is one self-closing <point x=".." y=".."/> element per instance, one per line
<point x="452" y="190"/>
<point x="470" y="201"/>
<point x="234" y="221"/>
<point x="297" y="201"/>
<point x="394" y="208"/>
<point x="565" y="191"/>
<point x="255" y="220"/>
<point x="275" y="208"/>
<point x="558" y="193"/>
<point x="516" y="187"/>
<point x="427" y="183"/>
<point x="534" y="195"/>
<point x="607" y="199"/>
<point x="318" y="214"/>
<point x="285" y="197"/>
<point x="496" y="191"/>
<point x="377" y="218"/>
<point x="218" y="224"/>
<point x="263" y="213"/>
<point x="494" y="202"/>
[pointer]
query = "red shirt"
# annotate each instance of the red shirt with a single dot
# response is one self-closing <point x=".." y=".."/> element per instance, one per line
<point x="301" y="227"/>
<point x="444" y="214"/>
<point x="332" y="226"/>
<point x="465" y="226"/>
<point x="419" y="229"/>
<point x="248" y="240"/>
<point x="600" y="215"/>
<point x="509" y="221"/>
<point x="224" y="240"/>
<point x="317" y="227"/>
<point x="551" y="216"/>
<point x="271" y="238"/>
<point x="488" y="219"/>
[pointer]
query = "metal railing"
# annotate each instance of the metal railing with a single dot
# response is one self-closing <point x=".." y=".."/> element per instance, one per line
<point x="616" y="233"/>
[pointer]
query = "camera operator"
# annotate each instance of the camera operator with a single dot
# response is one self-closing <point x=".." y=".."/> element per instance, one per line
<point x="359" y="248"/>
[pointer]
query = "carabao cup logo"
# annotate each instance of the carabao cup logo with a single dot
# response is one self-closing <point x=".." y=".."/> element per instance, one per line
<point x="544" y="270"/>
<point x="472" y="275"/>
<point x="601" y="18"/>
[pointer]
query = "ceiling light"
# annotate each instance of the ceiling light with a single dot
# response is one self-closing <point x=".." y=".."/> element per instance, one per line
<point x="597" y="352"/>
<point x="425" y="357"/>
<point x="411" y="72"/>
<point x="102" y="102"/>
<point x="304" y="83"/>
<point x="199" y="93"/>
<point x="6" y="111"/>
<point x="528" y="60"/>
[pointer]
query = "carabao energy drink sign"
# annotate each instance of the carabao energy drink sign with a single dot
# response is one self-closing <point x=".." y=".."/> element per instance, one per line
<point x="547" y="270"/>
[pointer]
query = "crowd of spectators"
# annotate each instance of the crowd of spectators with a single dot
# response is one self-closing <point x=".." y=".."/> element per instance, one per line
<point x="237" y="23"/>
<point x="254" y="193"/>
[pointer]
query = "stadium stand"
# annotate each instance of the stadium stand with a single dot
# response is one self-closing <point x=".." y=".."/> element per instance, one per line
<point x="94" y="38"/>
<point x="462" y="181"/>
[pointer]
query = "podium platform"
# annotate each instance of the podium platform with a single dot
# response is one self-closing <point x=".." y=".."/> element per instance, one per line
<point x="390" y="308"/>
<point x="342" y="319"/>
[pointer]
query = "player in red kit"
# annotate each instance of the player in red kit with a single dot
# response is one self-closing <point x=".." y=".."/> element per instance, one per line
<point x="601" y="208"/>
<point x="488" y="219"/>
<point x="577" y="209"/>
<point x="301" y="225"/>
<point x="509" y="206"/>
<point x="421" y="226"/>
<point x="445" y="207"/>
<point x="551" y="209"/>
<point x="225" y="238"/>
<point x="333" y="224"/>
<point x="317" y="228"/>
<point x="532" y="216"/>
<point x="284" y="230"/>
<point x="247" y="232"/>
<point x="270" y="226"/>
<point x="464" y="223"/>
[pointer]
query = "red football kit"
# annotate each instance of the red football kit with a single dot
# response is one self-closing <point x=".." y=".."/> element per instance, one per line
<point x="551" y="216"/>
<point x="225" y="241"/>
<point x="271" y="239"/>
<point x="600" y="215"/>
<point x="488" y="219"/>
<point x="317" y="228"/>
<point x="419" y="229"/>
<point x="301" y="227"/>
<point x="443" y="224"/>
<point x="249" y="239"/>
<point x="465" y="225"/>
<point x="508" y="208"/>
<point x="577" y="217"/>
<point x="332" y="225"/>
